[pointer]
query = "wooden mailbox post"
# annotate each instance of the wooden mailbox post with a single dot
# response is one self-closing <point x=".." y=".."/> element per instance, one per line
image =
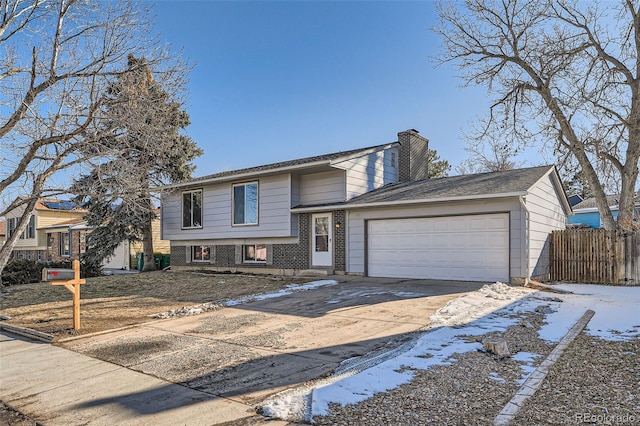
<point x="70" y="279"/>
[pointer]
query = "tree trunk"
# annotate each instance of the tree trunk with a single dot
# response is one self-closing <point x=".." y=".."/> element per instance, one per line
<point x="147" y="250"/>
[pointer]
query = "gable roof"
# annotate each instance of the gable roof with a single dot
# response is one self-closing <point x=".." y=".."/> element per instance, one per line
<point x="300" y="163"/>
<point x="476" y="185"/>
<point x="612" y="200"/>
<point x="509" y="183"/>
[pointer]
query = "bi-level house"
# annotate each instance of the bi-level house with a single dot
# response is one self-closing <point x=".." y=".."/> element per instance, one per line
<point x="370" y="211"/>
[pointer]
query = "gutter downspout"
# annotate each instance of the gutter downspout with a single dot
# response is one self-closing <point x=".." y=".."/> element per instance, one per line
<point x="525" y="267"/>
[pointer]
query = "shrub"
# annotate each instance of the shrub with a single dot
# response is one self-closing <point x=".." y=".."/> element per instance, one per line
<point x="22" y="271"/>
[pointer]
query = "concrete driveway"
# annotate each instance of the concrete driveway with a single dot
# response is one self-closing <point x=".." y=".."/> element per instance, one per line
<point x="250" y="351"/>
<point x="245" y="353"/>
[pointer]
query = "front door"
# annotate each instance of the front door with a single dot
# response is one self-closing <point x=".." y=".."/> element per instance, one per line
<point x="322" y="240"/>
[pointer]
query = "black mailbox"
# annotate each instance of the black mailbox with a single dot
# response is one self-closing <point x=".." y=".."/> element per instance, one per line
<point x="54" y="274"/>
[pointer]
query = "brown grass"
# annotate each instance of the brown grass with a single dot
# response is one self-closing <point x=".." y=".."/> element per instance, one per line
<point x="121" y="300"/>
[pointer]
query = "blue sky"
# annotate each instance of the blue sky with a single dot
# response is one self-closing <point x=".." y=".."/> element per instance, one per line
<point x="275" y="81"/>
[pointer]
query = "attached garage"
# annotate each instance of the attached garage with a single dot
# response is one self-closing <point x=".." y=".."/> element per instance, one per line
<point x="465" y="247"/>
<point x="483" y="227"/>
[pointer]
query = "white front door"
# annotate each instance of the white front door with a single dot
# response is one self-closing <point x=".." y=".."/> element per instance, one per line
<point x="321" y="240"/>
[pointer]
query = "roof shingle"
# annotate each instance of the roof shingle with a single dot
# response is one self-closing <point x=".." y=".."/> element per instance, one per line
<point x="481" y="184"/>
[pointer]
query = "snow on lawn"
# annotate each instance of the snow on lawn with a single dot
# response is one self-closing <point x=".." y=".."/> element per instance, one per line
<point x="494" y="307"/>
<point x="291" y="288"/>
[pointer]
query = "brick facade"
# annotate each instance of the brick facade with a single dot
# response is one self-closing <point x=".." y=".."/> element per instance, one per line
<point x="281" y="257"/>
<point x="339" y="241"/>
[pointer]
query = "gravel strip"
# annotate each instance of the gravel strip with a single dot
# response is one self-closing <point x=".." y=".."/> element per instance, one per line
<point x="595" y="381"/>
<point x="593" y="377"/>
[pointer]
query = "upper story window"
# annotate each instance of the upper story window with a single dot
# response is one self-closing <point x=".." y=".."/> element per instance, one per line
<point x="30" y="232"/>
<point x="245" y="203"/>
<point x="192" y="209"/>
<point x="394" y="159"/>
<point x="31" y="228"/>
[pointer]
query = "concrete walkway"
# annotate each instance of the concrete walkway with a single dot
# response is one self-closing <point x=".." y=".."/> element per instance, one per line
<point x="55" y="386"/>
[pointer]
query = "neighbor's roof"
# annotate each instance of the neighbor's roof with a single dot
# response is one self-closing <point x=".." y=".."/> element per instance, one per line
<point x="471" y="186"/>
<point x="612" y="200"/>
<point x="297" y="163"/>
<point x="66" y="223"/>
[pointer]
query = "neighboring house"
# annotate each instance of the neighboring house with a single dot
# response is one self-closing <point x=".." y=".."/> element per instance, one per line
<point x="369" y="211"/>
<point x="36" y="243"/>
<point x="57" y="231"/>
<point x="3" y="232"/>
<point x="586" y="212"/>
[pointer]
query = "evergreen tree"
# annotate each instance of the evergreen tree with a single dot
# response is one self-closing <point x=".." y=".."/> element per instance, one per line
<point x="150" y="151"/>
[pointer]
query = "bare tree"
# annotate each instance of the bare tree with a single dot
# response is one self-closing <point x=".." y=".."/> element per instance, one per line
<point x="564" y="73"/>
<point x="58" y="57"/>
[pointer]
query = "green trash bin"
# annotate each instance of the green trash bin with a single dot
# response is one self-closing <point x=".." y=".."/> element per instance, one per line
<point x="165" y="261"/>
<point x="140" y="261"/>
<point x="157" y="259"/>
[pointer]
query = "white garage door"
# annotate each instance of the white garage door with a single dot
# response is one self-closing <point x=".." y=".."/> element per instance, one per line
<point x="468" y="248"/>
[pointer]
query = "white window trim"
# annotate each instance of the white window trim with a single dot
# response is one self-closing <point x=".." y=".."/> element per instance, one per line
<point x="244" y="260"/>
<point x="201" y="208"/>
<point x="61" y="244"/>
<point x="233" y="204"/>
<point x="193" y="253"/>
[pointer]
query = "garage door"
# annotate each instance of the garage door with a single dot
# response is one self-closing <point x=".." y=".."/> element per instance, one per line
<point x="469" y="248"/>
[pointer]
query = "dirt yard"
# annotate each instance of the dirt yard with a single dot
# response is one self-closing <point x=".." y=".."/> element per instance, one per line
<point x="115" y="301"/>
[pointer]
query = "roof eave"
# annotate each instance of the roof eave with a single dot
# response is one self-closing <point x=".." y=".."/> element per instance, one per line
<point x="247" y="175"/>
<point x="347" y="206"/>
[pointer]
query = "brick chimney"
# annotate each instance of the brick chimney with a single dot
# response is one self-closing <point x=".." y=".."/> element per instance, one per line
<point x="412" y="156"/>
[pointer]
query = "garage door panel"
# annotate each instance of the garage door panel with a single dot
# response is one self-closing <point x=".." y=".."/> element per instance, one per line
<point x="461" y="247"/>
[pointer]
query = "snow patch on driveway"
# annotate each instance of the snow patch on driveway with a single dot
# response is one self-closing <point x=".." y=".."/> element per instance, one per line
<point x="291" y="288"/>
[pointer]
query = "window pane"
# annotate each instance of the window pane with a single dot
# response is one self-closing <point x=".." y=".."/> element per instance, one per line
<point x="238" y="205"/>
<point x="201" y="253"/>
<point x="261" y="252"/>
<point x="186" y="210"/>
<point x="251" y="203"/>
<point x="322" y="226"/>
<point x="197" y="208"/>
<point x="250" y="252"/>
<point x="322" y="243"/>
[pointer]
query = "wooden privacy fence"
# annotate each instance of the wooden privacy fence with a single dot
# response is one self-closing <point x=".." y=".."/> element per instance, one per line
<point x="595" y="256"/>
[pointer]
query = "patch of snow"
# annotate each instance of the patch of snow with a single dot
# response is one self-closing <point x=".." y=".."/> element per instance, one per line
<point x="476" y="304"/>
<point x="291" y="288"/>
<point x="615" y="312"/>
<point x="495" y="377"/>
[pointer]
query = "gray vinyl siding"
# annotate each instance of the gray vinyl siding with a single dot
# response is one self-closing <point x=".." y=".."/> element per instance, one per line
<point x="319" y="188"/>
<point x="274" y="217"/>
<point x="369" y="172"/>
<point x="356" y="226"/>
<point x="546" y="214"/>
<point x="295" y="201"/>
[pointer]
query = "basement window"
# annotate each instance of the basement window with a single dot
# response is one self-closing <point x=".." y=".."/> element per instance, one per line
<point x="254" y="253"/>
